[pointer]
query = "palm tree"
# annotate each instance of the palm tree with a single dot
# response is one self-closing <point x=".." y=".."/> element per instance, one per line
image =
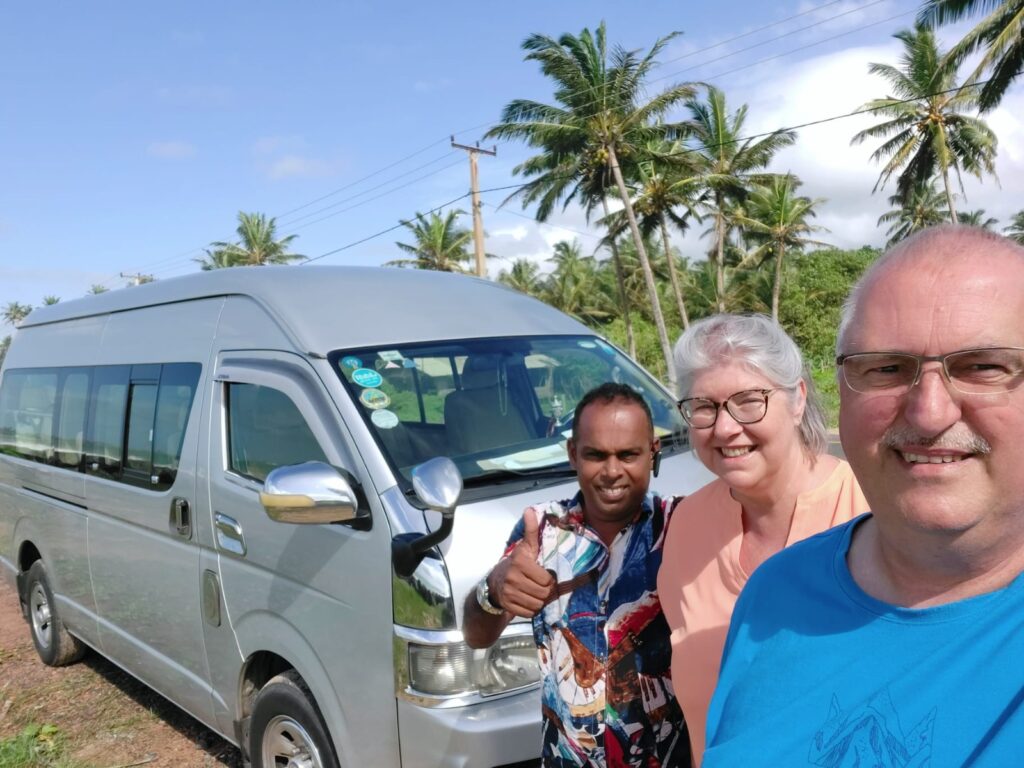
<point x="776" y="217"/>
<point x="97" y="288"/>
<point x="523" y="277"/>
<point x="603" y="117"/>
<point x="51" y="300"/>
<point x="439" y="243"/>
<point x="256" y="245"/>
<point x="727" y="165"/>
<point x="1016" y="229"/>
<point x="665" y="195"/>
<point x="925" y="131"/>
<point x="14" y="313"/>
<point x="923" y="207"/>
<point x="1001" y="33"/>
<point x="571" y="287"/>
<point x="978" y="219"/>
<point x="217" y="259"/>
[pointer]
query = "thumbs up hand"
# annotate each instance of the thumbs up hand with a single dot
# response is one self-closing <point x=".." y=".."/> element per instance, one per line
<point x="518" y="583"/>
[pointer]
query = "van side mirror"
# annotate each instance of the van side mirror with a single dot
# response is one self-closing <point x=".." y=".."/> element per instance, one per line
<point x="438" y="484"/>
<point x="308" y="494"/>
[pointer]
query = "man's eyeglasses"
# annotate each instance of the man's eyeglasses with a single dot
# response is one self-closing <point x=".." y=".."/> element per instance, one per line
<point x="970" y="371"/>
<point x="746" y="407"/>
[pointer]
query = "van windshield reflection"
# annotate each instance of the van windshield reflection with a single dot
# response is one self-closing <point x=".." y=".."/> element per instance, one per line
<point x="500" y="408"/>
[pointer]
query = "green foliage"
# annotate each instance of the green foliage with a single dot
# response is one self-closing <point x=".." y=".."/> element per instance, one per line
<point x="828" y="392"/>
<point x="36" y="746"/>
<point x="256" y="246"/>
<point x="439" y="243"/>
<point x="813" y="295"/>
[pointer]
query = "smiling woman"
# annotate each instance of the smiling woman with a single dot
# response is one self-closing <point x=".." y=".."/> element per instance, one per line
<point x="756" y="423"/>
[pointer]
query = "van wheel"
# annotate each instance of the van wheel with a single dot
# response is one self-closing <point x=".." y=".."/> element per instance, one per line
<point x="286" y="729"/>
<point x="54" y="644"/>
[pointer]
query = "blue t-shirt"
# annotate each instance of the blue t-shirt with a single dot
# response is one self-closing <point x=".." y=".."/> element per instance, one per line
<point x="817" y="672"/>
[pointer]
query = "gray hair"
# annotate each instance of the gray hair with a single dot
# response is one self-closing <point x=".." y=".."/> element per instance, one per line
<point x="758" y="342"/>
<point x="943" y="240"/>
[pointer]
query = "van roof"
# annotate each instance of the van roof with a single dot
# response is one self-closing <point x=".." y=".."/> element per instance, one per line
<point x="373" y="305"/>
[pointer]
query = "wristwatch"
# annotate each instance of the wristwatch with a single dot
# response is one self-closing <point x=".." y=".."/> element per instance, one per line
<point x="483" y="598"/>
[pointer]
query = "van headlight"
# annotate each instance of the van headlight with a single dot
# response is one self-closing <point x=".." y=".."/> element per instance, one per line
<point x="453" y="668"/>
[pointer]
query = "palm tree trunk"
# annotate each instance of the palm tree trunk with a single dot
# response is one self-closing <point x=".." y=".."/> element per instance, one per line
<point x="780" y="253"/>
<point x="672" y="276"/>
<point x="620" y="279"/>
<point x="720" y="260"/>
<point x="949" y="196"/>
<point x="652" y="290"/>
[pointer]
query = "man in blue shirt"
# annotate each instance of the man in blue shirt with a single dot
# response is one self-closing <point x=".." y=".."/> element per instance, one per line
<point x="897" y="639"/>
<point x="585" y="571"/>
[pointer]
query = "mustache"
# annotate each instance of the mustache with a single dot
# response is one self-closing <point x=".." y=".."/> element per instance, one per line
<point x="957" y="438"/>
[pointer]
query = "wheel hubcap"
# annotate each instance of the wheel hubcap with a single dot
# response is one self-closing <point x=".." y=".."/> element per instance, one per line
<point x="286" y="744"/>
<point x="41" y="616"/>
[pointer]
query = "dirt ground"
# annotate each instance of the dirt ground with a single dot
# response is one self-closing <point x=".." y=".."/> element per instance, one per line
<point x="106" y="718"/>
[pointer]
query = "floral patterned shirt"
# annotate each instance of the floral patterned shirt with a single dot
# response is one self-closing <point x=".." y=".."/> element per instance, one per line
<point x="605" y="651"/>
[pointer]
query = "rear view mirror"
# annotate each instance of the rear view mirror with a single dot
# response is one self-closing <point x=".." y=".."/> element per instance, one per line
<point x="309" y="493"/>
<point x="438" y="484"/>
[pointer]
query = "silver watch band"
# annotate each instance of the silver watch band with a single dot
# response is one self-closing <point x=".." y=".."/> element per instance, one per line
<point x="483" y="598"/>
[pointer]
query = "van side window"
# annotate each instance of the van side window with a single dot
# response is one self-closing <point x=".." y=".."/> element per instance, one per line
<point x="73" y="409"/>
<point x="27" y="408"/>
<point x="173" y="403"/>
<point x="265" y="431"/>
<point x="121" y="422"/>
<point x="108" y="401"/>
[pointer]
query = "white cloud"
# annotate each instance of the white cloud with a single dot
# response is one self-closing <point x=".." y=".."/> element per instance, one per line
<point x="298" y="166"/>
<point x="171" y="150"/>
<point x="432" y="86"/>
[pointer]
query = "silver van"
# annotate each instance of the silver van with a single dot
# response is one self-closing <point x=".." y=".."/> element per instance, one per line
<point x="229" y="485"/>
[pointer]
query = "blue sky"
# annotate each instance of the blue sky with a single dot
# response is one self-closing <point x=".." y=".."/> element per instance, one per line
<point x="132" y="133"/>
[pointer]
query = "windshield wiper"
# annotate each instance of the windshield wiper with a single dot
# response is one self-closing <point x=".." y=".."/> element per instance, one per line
<point x="506" y="475"/>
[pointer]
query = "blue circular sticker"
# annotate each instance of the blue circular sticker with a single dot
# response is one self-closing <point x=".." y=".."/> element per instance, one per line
<point x="366" y="377"/>
<point x="374" y="399"/>
<point x="351" y="362"/>
<point x="384" y="419"/>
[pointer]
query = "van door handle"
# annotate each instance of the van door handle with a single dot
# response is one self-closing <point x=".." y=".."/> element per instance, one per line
<point x="229" y="534"/>
<point x="181" y="517"/>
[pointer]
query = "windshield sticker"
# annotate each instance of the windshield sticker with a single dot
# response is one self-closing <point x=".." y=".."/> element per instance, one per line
<point x="365" y="377"/>
<point x="384" y="419"/>
<point x="374" y="399"/>
<point x="607" y="348"/>
<point x="390" y="355"/>
<point x="351" y="362"/>
<point x="391" y="364"/>
<point x="586" y="344"/>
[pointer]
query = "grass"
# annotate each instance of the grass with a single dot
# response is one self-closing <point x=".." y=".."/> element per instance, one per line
<point x="36" y="746"/>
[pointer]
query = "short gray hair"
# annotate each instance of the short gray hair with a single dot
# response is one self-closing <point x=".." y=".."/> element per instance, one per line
<point x="945" y="239"/>
<point x="758" y="342"/>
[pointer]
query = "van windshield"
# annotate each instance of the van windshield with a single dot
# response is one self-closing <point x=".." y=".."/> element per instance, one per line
<point x="497" y="407"/>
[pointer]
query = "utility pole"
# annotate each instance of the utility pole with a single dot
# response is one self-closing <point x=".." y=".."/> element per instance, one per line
<point x="478" y="224"/>
<point x="137" y="279"/>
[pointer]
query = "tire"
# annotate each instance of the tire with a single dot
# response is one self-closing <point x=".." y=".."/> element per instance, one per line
<point x="54" y="644"/>
<point x="286" y="729"/>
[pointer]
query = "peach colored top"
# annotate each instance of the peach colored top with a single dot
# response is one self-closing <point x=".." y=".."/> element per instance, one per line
<point x="701" y="577"/>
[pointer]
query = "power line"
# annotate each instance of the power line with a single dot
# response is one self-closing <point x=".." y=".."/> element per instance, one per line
<point x="769" y="40"/>
<point x="808" y="124"/>
<point x="176" y="260"/>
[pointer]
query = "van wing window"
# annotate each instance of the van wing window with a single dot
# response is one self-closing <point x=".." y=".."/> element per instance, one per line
<point x="266" y="430"/>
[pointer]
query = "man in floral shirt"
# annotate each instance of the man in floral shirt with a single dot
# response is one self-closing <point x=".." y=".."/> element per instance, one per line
<point x="584" y="570"/>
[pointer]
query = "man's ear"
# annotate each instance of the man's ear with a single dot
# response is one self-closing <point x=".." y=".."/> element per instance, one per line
<point x="655" y="457"/>
<point x="570" y="448"/>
